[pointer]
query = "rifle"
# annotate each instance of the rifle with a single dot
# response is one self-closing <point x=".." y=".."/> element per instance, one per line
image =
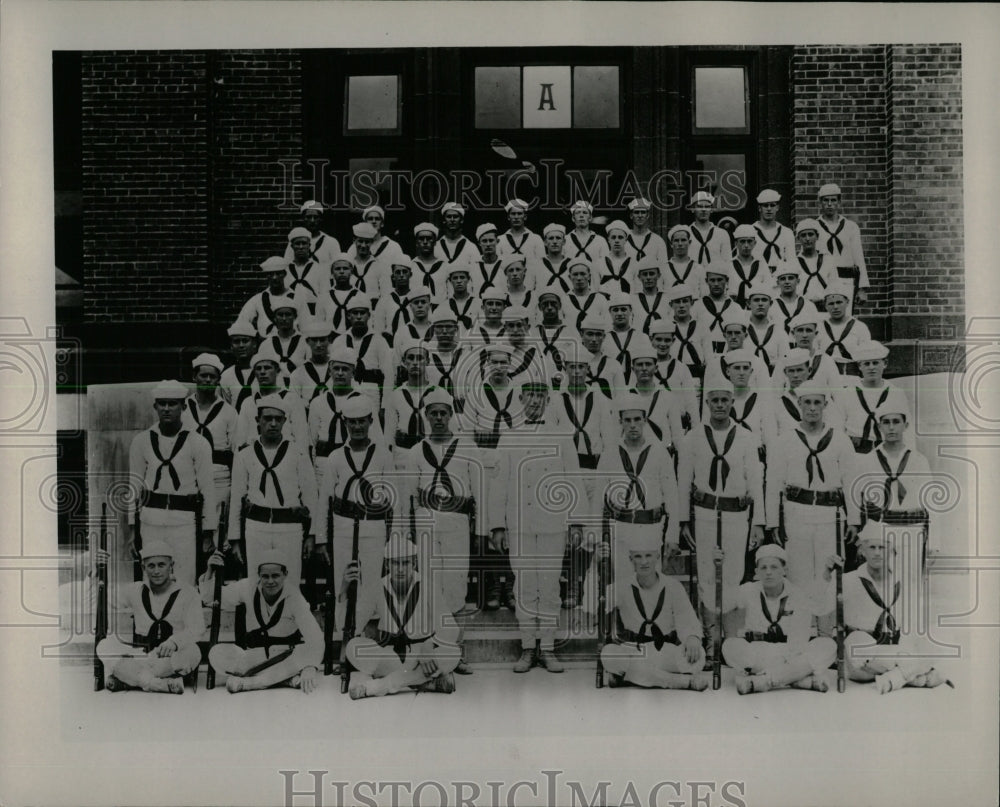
<point x="717" y="657"/>
<point x="781" y="520"/>
<point x="220" y="573"/>
<point x="602" y="598"/>
<point x="329" y="618"/>
<point x="692" y="562"/>
<point x="137" y="542"/>
<point x="841" y="661"/>
<point x="101" y="630"/>
<point x="351" y="617"/>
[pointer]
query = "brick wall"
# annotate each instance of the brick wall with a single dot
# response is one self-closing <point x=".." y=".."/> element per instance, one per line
<point x="144" y="186"/>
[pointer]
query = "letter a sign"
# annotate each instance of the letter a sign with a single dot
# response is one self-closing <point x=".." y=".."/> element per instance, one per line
<point x="547" y="97"/>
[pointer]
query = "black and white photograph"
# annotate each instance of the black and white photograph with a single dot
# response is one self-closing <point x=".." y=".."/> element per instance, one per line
<point x="456" y="403"/>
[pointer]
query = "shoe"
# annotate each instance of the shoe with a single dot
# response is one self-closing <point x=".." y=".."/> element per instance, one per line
<point x="234" y="684"/>
<point x="889" y="682"/>
<point x="548" y="660"/>
<point x="175" y="686"/>
<point x="492" y="604"/>
<point x="113" y="684"/>
<point x="747" y="684"/>
<point x="699" y="682"/>
<point x="358" y="691"/>
<point x="468" y="608"/>
<point x="615" y="681"/>
<point x="526" y="662"/>
<point x="463" y="668"/>
<point x="493" y="597"/>
<point x="934" y="679"/>
<point x="509" y="602"/>
<point x="441" y="683"/>
<point x="815" y="683"/>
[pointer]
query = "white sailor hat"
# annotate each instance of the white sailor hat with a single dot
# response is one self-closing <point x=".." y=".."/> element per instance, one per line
<point x="738" y="356"/>
<point x="554" y="228"/>
<point x="299" y="232"/>
<point x="647" y="263"/>
<point x="734" y="315"/>
<point x="641" y="348"/>
<point x="357" y="406"/>
<point x="745" y="231"/>
<point x="426" y="227"/>
<point x="241" y="328"/>
<point x="452" y="207"/>
<point x="458" y="267"/>
<point x="492" y="349"/>
<point x="807" y="224"/>
<point x="768" y="196"/>
<point x="513" y="260"/>
<point x="838" y="287"/>
<point x="594" y="322"/>
<point x="787" y="268"/>
<point x="443" y="313"/>
<point x="359" y="301"/>
<point x="493" y="293"/>
<point x="207" y="359"/>
<point x="662" y="325"/>
<point x="312" y="204"/>
<point x="342" y="258"/>
<point x="156" y="549"/>
<point x="763" y="289"/>
<point x="516" y="312"/>
<point x="894" y="404"/>
<point x="644" y="541"/>
<point x="718" y="383"/>
<point x="639" y="204"/>
<point x="702" y="196"/>
<point x="265" y="352"/>
<point x="572" y="349"/>
<point x="276" y="263"/>
<point x="579" y="262"/>
<point x="718" y="268"/>
<point x="867" y="351"/>
<point x="315" y="328"/>
<point x="279" y="301"/>
<point x="418" y="291"/>
<point x="830" y="189"/>
<point x="771" y="551"/>
<point x="679" y="291"/>
<point x="372" y="209"/>
<point x="619" y="298"/>
<point x="342" y="354"/>
<point x="272" y="558"/>
<point x="273" y="401"/>
<point x="629" y="400"/>
<point x="804" y="317"/>
<point x="409" y="343"/>
<point x="794" y="357"/>
<point x="678" y="228"/>
<point x="399" y="546"/>
<point x="170" y="391"/>
<point x="549" y="293"/>
<point x="439" y="396"/>
<point x="482" y="229"/>
<point x="516" y="204"/>
<point x="618" y="224"/>
<point x="405" y="262"/>
<point x="813" y="388"/>
<point x="581" y="204"/>
<point x="363" y="230"/>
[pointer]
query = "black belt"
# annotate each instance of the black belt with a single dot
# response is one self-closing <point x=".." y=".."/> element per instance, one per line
<point x="588" y="461"/>
<point x="863" y="445"/>
<point x="728" y="504"/>
<point x="756" y="636"/>
<point x="348" y="509"/>
<point x="222" y="457"/>
<point x="631" y="637"/>
<point x="173" y="501"/>
<point x="272" y="515"/>
<point x="257" y="638"/>
<point x="651" y="516"/>
<point x="401" y="643"/>
<point x="875" y="513"/>
<point x="462" y="505"/>
<point x="849" y="273"/>
<point x="823" y="498"/>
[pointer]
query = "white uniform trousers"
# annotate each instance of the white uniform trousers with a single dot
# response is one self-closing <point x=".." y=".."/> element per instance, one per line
<point x="223" y="485"/>
<point x="283" y="538"/>
<point x="762" y="657"/>
<point x="536" y="559"/>
<point x="371" y="554"/>
<point x="449" y="557"/>
<point x="811" y="531"/>
<point x="374" y="661"/>
<point x="641" y="664"/>
<point x="111" y="650"/>
<point x="865" y="659"/>
<point x="182" y="541"/>
<point x="735" y="530"/>
<point x="231" y="659"/>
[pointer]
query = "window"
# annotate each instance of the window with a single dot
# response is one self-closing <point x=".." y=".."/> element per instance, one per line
<point x="548" y="97"/>
<point x="372" y="105"/>
<point x="721" y="100"/>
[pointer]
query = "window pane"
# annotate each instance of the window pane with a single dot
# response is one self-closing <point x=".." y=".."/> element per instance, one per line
<point x="547" y="100"/>
<point x="595" y="97"/>
<point x="373" y="103"/>
<point x="720" y="99"/>
<point x="724" y="177"/>
<point x="498" y="97"/>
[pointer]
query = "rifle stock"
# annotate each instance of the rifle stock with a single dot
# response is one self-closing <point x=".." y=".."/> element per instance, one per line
<point x="602" y="598"/>
<point x="841" y="661"/>
<point x="717" y="654"/>
<point x="101" y="629"/>
<point x="220" y="573"/>
<point x="329" y="617"/>
<point x="351" y="617"/>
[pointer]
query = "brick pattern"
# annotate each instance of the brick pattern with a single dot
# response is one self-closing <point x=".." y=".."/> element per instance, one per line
<point x="144" y="186"/>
